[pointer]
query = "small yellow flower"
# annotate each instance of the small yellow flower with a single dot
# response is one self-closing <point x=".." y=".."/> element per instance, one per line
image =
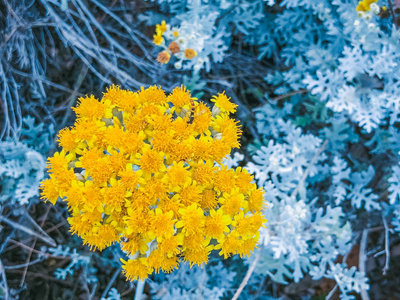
<point x="136" y="269"/>
<point x="171" y="245"/>
<point x="190" y="53"/>
<point x="135" y="243"/>
<point x="232" y="202"/>
<point x="364" y="5"/>
<point x="208" y="199"/>
<point x="224" y="104"/>
<point x="178" y="176"/>
<point x="161" y="28"/>
<point x="49" y="191"/>
<point x="90" y="107"/>
<point x="217" y="224"/>
<point x="230" y="244"/>
<point x="151" y="161"/>
<point x="244" y="181"/>
<point x="361" y="7"/>
<point x="192" y="219"/>
<point x="67" y="139"/>
<point x="255" y="200"/>
<point x="158" y="39"/>
<point x="197" y="257"/>
<point x="180" y="98"/>
<point x="163" y="225"/>
<point x="203" y="172"/>
<point x="224" y="180"/>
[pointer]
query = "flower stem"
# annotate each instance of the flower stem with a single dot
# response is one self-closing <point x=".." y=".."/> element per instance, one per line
<point x="139" y="289"/>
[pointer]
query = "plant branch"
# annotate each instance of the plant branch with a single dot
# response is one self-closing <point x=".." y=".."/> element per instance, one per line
<point x="248" y="274"/>
<point x="362" y="259"/>
<point x="387" y="246"/>
<point x="29" y="231"/>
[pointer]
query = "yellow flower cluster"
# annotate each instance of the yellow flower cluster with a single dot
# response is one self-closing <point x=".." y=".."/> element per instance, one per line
<point x="140" y="169"/>
<point x="174" y="47"/>
<point x="365" y="5"/>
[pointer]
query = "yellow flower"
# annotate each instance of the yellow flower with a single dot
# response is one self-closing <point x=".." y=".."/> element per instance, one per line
<point x="190" y="194"/>
<point x="114" y="195"/>
<point x="246" y="226"/>
<point x="224" y="180"/>
<point x="361" y="6"/>
<point x="197" y="257"/>
<point x="163" y="141"/>
<point x="232" y="202"/>
<point x="229" y="245"/>
<point x="49" y="191"/>
<point x="157" y="39"/>
<point x="129" y="178"/>
<point x="139" y="168"/>
<point x="202" y="118"/>
<point x="229" y="131"/>
<point x="202" y="147"/>
<point x="243" y="180"/>
<point x="155" y="189"/>
<point x="364" y="5"/>
<point x="135" y="243"/>
<point x="195" y="241"/>
<point x="180" y="98"/>
<point x="163" y="224"/>
<point x="90" y="107"/>
<point x="192" y="219"/>
<point x="126" y="101"/>
<point x="208" y="199"/>
<point x="178" y="176"/>
<point x="248" y="246"/>
<point x="256" y="200"/>
<point x="151" y="161"/>
<point x="217" y="224"/>
<point x="190" y="53"/>
<point x="171" y="245"/>
<point x="203" y="172"/>
<point x="67" y="140"/>
<point x="138" y="221"/>
<point x="224" y="104"/>
<point x="158" y="260"/>
<point x="219" y="150"/>
<point x="75" y="195"/>
<point x="106" y="236"/>
<point x="136" y="269"/>
<point x="58" y="163"/>
<point x="161" y="28"/>
<point x="100" y="171"/>
<point x="153" y="94"/>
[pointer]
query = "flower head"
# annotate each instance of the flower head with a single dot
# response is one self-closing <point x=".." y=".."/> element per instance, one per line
<point x="163" y="57"/>
<point x="224" y="104"/>
<point x="161" y="28"/>
<point x="139" y="168"/>
<point x="158" y="39"/>
<point x="190" y="53"/>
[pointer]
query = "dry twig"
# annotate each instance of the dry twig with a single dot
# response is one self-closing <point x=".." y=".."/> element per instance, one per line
<point x="248" y="274"/>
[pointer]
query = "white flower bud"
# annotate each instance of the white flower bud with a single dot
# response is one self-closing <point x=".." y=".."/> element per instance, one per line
<point x="374" y="8"/>
<point x="178" y="65"/>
